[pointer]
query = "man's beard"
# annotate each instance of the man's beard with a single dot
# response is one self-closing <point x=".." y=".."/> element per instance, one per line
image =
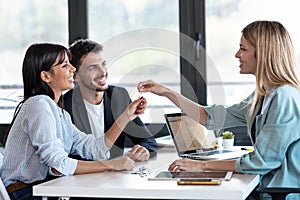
<point x="101" y="89"/>
<point x="95" y="88"/>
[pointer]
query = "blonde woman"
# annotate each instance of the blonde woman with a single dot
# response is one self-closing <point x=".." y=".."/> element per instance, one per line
<point x="272" y="112"/>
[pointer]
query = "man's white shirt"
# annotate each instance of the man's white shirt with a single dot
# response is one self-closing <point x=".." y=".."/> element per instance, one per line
<point x="96" y="117"/>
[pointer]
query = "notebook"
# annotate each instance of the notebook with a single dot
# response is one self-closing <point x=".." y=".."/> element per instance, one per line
<point x="193" y="140"/>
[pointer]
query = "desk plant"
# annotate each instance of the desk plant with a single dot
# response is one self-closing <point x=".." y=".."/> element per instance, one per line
<point x="228" y="139"/>
<point x="227" y="135"/>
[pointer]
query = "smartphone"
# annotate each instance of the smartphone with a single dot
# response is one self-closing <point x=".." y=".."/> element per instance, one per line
<point x="192" y="181"/>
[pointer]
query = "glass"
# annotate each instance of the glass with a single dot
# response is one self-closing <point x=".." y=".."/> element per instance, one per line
<point x="224" y="23"/>
<point x="140" y="40"/>
<point x="23" y="23"/>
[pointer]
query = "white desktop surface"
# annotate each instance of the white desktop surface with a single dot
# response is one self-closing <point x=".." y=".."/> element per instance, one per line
<point x="127" y="185"/>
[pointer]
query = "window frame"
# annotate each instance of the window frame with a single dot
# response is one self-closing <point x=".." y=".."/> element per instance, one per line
<point x="191" y="23"/>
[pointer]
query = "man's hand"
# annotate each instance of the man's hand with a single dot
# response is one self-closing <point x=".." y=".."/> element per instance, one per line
<point x="138" y="153"/>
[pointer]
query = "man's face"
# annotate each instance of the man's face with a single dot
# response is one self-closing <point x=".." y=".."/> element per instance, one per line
<point x="92" y="73"/>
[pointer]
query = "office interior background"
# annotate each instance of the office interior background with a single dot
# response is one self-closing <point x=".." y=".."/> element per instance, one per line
<point x="144" y="39"/>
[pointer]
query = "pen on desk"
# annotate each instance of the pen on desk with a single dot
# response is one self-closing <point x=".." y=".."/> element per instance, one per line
<point x="246" y="149"/>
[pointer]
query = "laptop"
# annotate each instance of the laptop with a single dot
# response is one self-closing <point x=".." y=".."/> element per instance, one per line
<point x="193" y="140"/>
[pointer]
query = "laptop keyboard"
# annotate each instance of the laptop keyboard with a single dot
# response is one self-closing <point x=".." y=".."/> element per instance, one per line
<point x="212" y="152"/>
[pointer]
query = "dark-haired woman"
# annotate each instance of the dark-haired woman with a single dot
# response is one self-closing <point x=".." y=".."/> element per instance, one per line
<point x="42" y="134"/>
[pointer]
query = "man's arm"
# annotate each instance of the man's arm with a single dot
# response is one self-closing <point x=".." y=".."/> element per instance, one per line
<point x="138" y="133"/>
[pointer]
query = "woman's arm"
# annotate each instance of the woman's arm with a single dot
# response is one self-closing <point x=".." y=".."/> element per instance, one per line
<point x="117" y="164"/>
<point x="188" y="106"/>
<point x="186" y="164"/>
<point x="120" y="163"/>
<point x="134" y="109"/>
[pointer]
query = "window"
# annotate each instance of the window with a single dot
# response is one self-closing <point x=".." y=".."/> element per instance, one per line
<point x="224" y="23"/>
<point x="23" y="23"/>
<point x="141" y="42"/>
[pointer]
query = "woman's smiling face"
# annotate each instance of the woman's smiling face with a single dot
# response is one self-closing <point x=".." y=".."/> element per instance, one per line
<point x="247" y="58"/>
<point x="61" y="77"/>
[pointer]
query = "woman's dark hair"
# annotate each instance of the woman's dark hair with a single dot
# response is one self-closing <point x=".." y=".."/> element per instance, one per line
<point x="39" y="57"/>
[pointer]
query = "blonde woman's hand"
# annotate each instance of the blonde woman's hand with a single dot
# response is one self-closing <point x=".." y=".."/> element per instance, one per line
<point x="151" y="86"/>
<point x="186" y="164"/>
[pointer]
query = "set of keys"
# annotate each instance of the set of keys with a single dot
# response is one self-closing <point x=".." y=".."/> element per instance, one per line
<point x="142" y="171"/>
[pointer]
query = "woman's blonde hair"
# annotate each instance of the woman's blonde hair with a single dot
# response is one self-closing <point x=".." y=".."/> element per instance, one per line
<point x="275" y="58"/>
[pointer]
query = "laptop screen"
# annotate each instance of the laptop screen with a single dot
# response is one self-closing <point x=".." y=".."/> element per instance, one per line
<point x="189" y="135"/>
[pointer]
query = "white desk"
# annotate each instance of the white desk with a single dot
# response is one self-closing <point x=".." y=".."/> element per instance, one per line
<point x="126" y="185"/>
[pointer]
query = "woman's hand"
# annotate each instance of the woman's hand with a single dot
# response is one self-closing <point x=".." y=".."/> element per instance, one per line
<point x="116" y="164"/>
<point x="186" y="164"/>
<point x="120" y="163"/>
<point x="151" y="86"/>
<point x="134" y="109"/>
<point x="138" y="153"/>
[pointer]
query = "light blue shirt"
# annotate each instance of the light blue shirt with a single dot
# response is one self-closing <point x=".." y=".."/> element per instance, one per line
<point x="277" y="147"/>
<point x="41" y="138"/>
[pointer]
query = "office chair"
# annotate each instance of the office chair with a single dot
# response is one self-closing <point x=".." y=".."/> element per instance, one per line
<point x="278" y="193"/>
<point x="3" y="192"/>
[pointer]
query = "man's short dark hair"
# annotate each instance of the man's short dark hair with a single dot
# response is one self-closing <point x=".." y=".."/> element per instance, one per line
<point x="81" y="48"/>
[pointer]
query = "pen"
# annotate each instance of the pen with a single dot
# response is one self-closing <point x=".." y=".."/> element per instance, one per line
<point x="247" y="149"/>
<point x="198" y="182"/>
